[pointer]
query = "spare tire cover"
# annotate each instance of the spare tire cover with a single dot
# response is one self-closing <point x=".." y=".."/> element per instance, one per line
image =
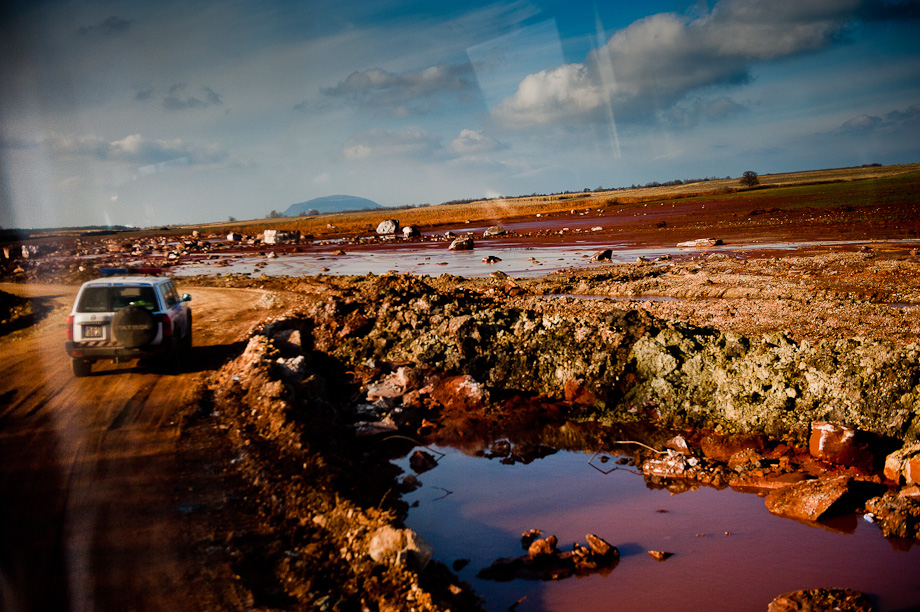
<point x="134" y="326"/>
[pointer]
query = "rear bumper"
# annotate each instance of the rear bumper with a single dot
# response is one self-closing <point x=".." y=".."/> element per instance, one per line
<point x="79" y="350"/>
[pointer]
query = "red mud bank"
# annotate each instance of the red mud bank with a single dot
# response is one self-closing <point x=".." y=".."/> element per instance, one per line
<point x="823" y="426"/>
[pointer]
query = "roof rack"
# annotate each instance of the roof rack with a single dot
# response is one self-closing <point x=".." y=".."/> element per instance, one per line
<point x="130" y="270"/>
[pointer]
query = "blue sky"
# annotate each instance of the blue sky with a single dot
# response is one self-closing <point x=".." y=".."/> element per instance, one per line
<point x="147" y="113"/>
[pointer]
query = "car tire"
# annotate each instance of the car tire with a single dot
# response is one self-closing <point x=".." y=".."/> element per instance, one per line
<point x="134" y="326"/>
<point x="81" y="367"/>
<point x="187" y="341"/>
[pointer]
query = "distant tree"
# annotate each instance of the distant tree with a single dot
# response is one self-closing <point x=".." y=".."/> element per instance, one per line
<point x="274" y="215"/>
<point x="749" y="179"/>
<point x="231" y="219"/>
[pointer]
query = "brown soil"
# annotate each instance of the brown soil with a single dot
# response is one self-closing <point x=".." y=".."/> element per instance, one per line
<point x="137" y="488"/>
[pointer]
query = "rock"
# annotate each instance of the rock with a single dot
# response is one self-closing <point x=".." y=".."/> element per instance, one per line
<point x="834" y="442"/>
<point x="897" y="516"/>
<point x="679" y="444"/>
<point x="660" y="555"/>
<point x="808" y="500"/>
<point x="605" y="255"/>
<point x="491" y="259"/>
<point x="904" y="464"/>
<point x="578" y="393"/>
<point x="399" y="547"/>
<point x="671" y="466"/>
<point x="410" y="231"/>
<point x="542" y="546"/>
<point x="495" y="230"/>
<point x="822" y="600"/>
<point x="722" y="448"/>
<point x="460" y="392"/>
<point x="528" y="537"/>
<point x="464" y="243"/>
<point x="699" y="243"/>
<point x="421" y="462"/>
<point x="600" y="546"/>
<point x="388" y="226"/>
<point x="366" y="429"/>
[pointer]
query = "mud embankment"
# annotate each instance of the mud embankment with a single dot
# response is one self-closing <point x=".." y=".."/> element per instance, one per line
<point x="319" y="396"/>
<point x="613" y="364"/>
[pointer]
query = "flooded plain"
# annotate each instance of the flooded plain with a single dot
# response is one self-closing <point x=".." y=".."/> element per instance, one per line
<point x="729" y="552"/>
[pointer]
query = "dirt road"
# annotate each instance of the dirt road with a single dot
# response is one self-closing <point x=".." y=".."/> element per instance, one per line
<point x="90" y="501"/>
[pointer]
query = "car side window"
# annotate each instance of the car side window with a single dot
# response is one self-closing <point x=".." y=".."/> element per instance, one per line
<point x="170" y="295"/>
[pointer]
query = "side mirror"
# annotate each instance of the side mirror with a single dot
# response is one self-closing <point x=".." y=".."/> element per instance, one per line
<point x="186" y="297"/>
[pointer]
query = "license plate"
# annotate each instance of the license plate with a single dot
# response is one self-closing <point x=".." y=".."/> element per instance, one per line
<point x="92" y="331"/>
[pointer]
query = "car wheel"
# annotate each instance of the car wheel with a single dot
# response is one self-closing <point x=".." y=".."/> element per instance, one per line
<point x="134" y="326"/>
<point x="81" y="367"/>
<point x="187" y="341"/>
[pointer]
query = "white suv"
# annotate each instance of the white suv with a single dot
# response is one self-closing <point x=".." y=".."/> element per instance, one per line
<point x="126" y="317"/>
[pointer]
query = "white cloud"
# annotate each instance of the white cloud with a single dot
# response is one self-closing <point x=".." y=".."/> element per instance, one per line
<point x="656" y="61"/>
<point x="377" y="87"/>
<point x="473" y="141"/>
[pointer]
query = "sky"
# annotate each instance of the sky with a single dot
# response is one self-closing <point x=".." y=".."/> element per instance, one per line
<point x="142" y="113"/>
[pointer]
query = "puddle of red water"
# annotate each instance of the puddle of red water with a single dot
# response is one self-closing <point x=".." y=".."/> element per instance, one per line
<point x="730" y="553"/>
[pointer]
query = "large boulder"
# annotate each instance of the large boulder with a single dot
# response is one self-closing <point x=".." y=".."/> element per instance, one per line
<point x="389" y="226"/>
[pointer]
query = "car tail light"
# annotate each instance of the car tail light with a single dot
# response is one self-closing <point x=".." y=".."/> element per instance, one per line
<point x="70" y="327"/>
<point x="167" y="325"/>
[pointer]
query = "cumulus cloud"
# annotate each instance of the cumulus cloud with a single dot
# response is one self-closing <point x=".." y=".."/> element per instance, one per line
<point x="177" y="98"/>
<point x="385" y="144"/>
<point x="377" y="87"/>
<point x="898" y="119"/>
<point x="657" y="61"/>
<point x="470" y="142"/>
<point x="134" y="149"/>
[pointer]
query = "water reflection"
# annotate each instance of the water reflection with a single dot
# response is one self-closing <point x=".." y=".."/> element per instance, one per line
<point x="728" y="552"/>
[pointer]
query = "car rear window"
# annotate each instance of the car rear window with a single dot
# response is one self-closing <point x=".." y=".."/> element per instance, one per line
<point x="110" y="299"/>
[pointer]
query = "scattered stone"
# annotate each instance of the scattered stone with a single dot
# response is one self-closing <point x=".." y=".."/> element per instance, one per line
<point x="721" y="447"/>
<point x="809" y="500"/>
<point x="464" y="243"/>
<point x="388" y="226"/>
<point x="460" y="392"/>
<point x="542" y="546"/>
<point x="421" y="462"/>
<point x="528" y="537"/>
<point x="822" y="600"/>
<point x="838" y="444"/>
<point x="660" y="555"/>
<point x="699" y="243"/>
<point x="544" y="561"/>
<point x="410" y="231"/>
<point x="491" y="259"/>
<point x="495" y="230"/>
<point x="399" y="547"/>
<point x="898" y="516"/>
<point x="604" y="255"/>
<point x="679" y="444"/>
<point x="904" y="465"/>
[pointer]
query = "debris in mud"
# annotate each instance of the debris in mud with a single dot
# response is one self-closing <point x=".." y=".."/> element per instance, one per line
<point x="822" y="600"/>
<point x="464" y="243"/>
<point x="544" y="561"/>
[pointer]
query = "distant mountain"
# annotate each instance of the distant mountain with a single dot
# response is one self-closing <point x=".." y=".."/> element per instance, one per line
<point x="330" y="204"/>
